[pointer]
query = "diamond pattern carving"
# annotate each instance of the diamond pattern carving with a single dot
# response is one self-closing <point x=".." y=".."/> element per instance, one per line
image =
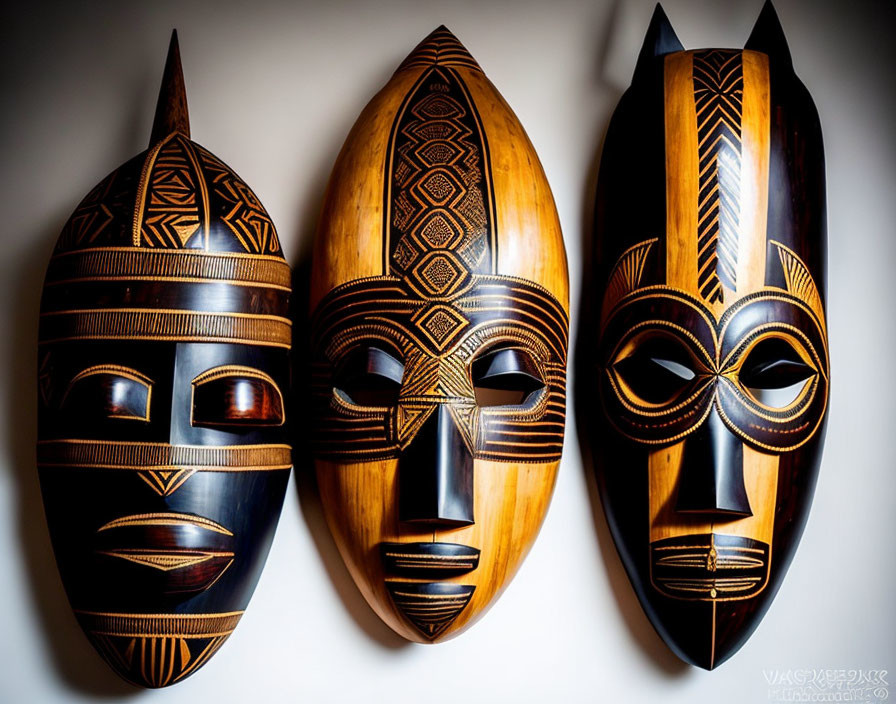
<point x="440" y="324"/>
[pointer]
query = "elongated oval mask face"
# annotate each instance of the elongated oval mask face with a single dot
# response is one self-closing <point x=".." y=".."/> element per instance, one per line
<point x="163" y="366"/>
<point x="439" y="292"/>
<point x="713" y="349"/>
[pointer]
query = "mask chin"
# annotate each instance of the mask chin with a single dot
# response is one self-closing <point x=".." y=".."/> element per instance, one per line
<point x="404" y="568"/>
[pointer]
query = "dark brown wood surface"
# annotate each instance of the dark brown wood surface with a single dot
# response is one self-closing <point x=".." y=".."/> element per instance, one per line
<point x="712" y="354"/>
<point x="162" y="447"/>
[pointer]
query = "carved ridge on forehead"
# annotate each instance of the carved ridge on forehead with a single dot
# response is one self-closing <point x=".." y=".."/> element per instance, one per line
<point x="626" y="274"/>
<point x="127" y="263"/>
<point x="438" y="185"/>
<point x="164" y="325"/>
<point x="800" y="281"/>
<point x="167" y="211"/>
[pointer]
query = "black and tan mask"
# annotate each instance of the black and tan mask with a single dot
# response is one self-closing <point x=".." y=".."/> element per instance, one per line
<point x="163" y="367"/>
<point x="439" y="292"/>
<point x="713" y="350"/>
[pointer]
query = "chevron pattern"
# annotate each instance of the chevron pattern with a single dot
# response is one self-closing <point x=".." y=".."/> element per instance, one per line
<point x="441" y="48"/>
<point x="718" y="99"/>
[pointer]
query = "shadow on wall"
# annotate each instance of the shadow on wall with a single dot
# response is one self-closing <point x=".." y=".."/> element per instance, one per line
<point x="590" y="425"/>
<point x="306" y="479"/>
<point x="76" y="662"/>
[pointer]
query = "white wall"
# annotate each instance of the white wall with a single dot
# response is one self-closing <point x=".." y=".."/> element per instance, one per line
<point x="274" y="88"/>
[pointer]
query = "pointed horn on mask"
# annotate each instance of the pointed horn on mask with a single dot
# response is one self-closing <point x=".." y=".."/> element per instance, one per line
<point x="768" y="36"/>
<point x="659" y="40"/>
<point x="171" y="110"/>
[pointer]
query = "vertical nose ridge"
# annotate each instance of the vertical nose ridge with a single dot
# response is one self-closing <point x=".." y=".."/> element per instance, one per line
<point x="712" y="472"/>
<point x="435" y="475"/>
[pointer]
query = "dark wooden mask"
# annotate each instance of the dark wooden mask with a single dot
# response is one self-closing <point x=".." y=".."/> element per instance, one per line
<point x="163" y="368"/>
<point x="713" y="350"/>
<point x="439" y="291"/>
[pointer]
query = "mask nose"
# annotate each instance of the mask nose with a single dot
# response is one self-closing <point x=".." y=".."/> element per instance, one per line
<point x="435" y="475"/>
<point x="712" y="472"/>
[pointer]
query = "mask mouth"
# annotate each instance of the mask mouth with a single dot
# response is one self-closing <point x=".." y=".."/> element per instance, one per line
<point x="428" y="560"/>
<point x="165" y="554"/>
<point x="709" y="567"/>
<point x="430" y="606"/>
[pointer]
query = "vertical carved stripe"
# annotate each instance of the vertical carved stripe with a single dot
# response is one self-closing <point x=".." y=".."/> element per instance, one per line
<point x="439" y="219"/>
<point x="718" y="100"/>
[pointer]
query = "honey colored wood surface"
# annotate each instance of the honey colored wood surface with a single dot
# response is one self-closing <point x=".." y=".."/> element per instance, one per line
<point x="520" y="225"/>
<point x="510" y="503"/>
<point x="681" y="174"/>
<point x="754" y="176"/>
<point x="760" y="482"/>
<point x="350" y="234"/>
<point x="530" y="243"/>
<point x="349" y="242"/>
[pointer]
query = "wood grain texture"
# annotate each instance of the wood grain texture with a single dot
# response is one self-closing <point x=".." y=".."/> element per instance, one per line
<point x="438" y="244"/>
<point x="511" y="501"/>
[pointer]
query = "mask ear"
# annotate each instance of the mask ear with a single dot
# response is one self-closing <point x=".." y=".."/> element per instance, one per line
<point x="659" y="40"/>
<point x="768" y="36"/>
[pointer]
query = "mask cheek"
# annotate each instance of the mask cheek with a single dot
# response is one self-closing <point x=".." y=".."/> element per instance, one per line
<point x="510" y="502"/>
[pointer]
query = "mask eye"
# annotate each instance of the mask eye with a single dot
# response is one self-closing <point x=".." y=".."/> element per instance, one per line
<point x="236" y="396"/>
<point x="774" y="373"/>
<point x="370" y="376"/>
<point x="505" y="377"/>
<point x="658" y="369"/>
<point x="108" y="392"/>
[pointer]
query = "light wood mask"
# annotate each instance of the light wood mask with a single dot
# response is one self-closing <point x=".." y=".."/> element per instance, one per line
<point x="505" y="234"/>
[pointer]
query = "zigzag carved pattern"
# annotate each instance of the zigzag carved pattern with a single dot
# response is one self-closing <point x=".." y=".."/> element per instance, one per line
<point x="172" y="211"/>
<point x="718" y="98"/>
<point x="242" y="212"/>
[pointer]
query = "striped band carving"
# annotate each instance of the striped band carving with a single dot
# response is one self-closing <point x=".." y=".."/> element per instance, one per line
<point x="441" y="48"/>
<point x="111" y="454"/>
<point x="159" y="625"/>
<point x="126" y="263"/>
<point x="171" y="325"/>
<point x="718" y="99"/>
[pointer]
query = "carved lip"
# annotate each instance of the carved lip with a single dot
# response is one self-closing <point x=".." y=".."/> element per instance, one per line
<point x="167" y="553"/>
<point x="709" y="567"/>
<point x="428" y="560"/>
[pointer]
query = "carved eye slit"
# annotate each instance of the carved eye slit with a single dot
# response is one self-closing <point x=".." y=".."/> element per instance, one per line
<point x="774" y="373"/>
<point x="370" y="376"/>
<point x="505" y="377"/>
<point x="656" y="369"/>
<point x="108" y="391"/>
<point x="236" y="396"/>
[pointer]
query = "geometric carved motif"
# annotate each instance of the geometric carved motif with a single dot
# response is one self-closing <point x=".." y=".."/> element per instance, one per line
<point x="165" y="482"/>
<point x="245" y="216"/>
<point x="155" y="650"/>
<point x="430" y="607"/>
<point x="718" y="99"/>
<point x="444" y="299"/>
<point x="171" y="214"/>
<point x="438" y="184"/>
<point x="440" y="324"/>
